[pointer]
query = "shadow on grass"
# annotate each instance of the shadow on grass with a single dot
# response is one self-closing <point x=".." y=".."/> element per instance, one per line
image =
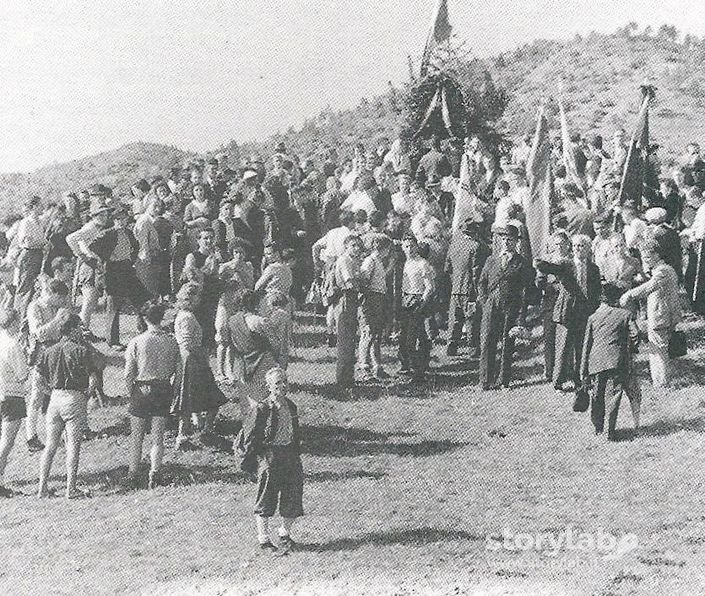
<point x="413" y="537"/>
<point x="663" y="428"/>
<point x="336" y="393"/>
<point x="309" y="339"/>
<point x="338" y="441"/>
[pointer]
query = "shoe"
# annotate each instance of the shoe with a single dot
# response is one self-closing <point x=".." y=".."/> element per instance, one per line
<point x="118" y="347"/>
<point x="286" y="545"/>
<point x="155" y="480"/>
<point x="89" y="434"/>
<point x="332" y="341"/>
<point x="78" y="494"/>
<point x="35" y="445"/>
<point x="89" y="336"/>
<point x="129" y="483"/>
<point x="6" y="493"/>
<point x="267" y="546"/>
<point x="381" y="374"/>
<point x="452" y="349"/>
<point x="185" y="444"/>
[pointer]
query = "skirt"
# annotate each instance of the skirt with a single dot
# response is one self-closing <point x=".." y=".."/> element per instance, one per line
<point x="151" y="398"/>
<point x="195" y="389"/>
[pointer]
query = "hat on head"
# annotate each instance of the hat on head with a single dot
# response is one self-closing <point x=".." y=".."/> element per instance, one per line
<point x="249" y="175"/>
<point x="470" y="224"/>
<point x="213" y="161"/>
<point x="508" y="230"/>
<point x="96" y="191"/>
<point x="281" y="148"/>
<point x="656" y="215"/>
<point x="433" y="181"/>
<point x="143" y="185"/>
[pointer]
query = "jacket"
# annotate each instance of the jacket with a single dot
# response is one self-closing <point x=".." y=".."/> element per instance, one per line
<point x="663" y="309"/>
<point x="572" y="304"/>
<point x="505" y="288"/>
<point x="464" y="262"/>
<point x="610" y="336"/>
<point x="258" y="431"/>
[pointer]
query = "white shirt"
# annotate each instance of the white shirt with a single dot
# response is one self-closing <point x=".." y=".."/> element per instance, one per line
<point x="13" y="367"/>
<point x="403" y="203"/>
<point x="417" y="277"/>
<point x="333" y="243"/>
<point x="634" y="232"/>
<point x="147" y="237"/>
<point x="81" y="239"/>
<point x="358" y="200"/>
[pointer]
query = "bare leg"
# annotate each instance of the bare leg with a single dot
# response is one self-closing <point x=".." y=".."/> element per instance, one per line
<point x="89" y="303"/>
<point x="137" y="429"/>
<point x="53" y="438"/>
<point x="7" y="440"/>
<point x="34" y="406"/>
<point x="157" y="452"/>
<point x="287" y="524"/>
<point x="74" y="437"/>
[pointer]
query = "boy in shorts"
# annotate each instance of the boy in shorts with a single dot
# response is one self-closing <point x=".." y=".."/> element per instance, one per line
<point x="269" y="445"/>
<point x="13" y="377"/>
<point x="71" y="368"/>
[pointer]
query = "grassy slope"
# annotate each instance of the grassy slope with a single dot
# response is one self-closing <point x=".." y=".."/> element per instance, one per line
<point x="404" y="484"/>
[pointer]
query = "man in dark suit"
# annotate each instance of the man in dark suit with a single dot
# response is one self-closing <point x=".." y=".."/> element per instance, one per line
<point x="380" y="194"/>
<point x="501" y="292"/>
<point x="224" y="229"/>
<point x="578" y="297"/>
<point x="611" y="335"/>
<point x="467" y="255"/>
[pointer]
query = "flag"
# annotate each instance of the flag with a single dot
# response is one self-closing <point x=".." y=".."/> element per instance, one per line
<point x="466" y="200"/>
<point x="568" y="156"/>
<point x="632" y="185"/>
<point x="540" y="177"/>
<point x="440" y="32"/>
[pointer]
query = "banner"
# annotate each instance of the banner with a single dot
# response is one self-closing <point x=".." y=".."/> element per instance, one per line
<point x="440" y="32"/>
<point x="540" y="177"/>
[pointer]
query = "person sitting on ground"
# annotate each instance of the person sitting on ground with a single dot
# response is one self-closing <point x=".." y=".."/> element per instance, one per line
<point x="152" y="361"/>
<point x="70" y="368"/>
<point x="269" y="445"/>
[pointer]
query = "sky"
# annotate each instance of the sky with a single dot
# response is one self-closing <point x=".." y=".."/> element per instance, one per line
<point x="80" y="77"/>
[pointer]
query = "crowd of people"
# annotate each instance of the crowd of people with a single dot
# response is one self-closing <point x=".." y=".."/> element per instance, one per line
<point x="369" y="239"/>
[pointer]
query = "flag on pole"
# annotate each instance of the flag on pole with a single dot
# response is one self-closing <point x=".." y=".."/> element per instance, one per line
<point x="632" y="185"/>
<point x="466" y="201"/>
<point x="440" y="32"/>
<point x="568" y="155"/>
<point x="540" y="177"/>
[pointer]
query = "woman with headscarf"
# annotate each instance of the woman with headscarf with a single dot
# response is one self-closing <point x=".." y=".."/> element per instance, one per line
<point x="195" y="391"/>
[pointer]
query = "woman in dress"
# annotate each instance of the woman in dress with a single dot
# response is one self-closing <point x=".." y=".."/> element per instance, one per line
<point x="197" y="214"/>
<point x="202" y="267"/>
<point x="195" y="390"/>
<point x="253" y="340"/>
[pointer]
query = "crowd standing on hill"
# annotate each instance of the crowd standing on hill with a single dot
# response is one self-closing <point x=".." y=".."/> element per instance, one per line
<point x="368" y="239"/>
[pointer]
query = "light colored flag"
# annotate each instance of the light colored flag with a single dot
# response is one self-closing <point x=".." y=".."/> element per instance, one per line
<point x="568" y="155"/>
<point x="466" y="201"/>
<point x="540" y="196"/>
<point x="440" y="31"/>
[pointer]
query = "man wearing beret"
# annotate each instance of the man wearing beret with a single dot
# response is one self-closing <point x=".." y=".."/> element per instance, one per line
<point x="501" y="292"/>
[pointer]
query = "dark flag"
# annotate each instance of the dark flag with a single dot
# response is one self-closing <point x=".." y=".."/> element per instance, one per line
<point x="440" y="32"/>
<point x="632" y="186"/>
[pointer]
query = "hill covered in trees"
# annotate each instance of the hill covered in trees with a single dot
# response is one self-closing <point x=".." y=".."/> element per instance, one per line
<point x="600" y="75"/>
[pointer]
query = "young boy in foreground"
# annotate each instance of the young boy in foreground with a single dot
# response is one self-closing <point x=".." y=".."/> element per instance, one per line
<point x="269" y="445"/>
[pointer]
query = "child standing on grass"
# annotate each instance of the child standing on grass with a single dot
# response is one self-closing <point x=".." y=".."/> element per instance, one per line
<point x="13" y="376"/>
<point x="269" y="445"/>
<point x="70" y="368"/>
<point x="281" y="327"/>
<point x="276" y="276"/>
<point x="152" y="360"/>
<point x="374" y="274"/>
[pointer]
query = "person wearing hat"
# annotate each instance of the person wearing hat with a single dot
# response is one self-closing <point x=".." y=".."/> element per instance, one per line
<point x="634" y="227"/>
<point x="119" y="249"/>
<point x="502" y="294"/>
<point x="444" y="200"/>
<point x="661" y="230"/>
<point x="466" y="257"/>
<point x="88" y="270"/>
<point x="30" y="240"/>
<point x="601" y="244"/>
<point x="216" y="184"/>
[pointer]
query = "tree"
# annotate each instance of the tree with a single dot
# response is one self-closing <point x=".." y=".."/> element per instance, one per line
<point x="668" y="33"/>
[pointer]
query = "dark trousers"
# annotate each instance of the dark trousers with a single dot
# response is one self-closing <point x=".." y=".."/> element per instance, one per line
<point x="347" y="322"/>
<point x="495" y="329"/>
<point x="460" y="312"/>
<point x="569" y="351"/>
<point x="114" y="308"/>
<point x="414" y="345"/>
<point x="280" y="481"/>
<point x="549" y="345"/>
<point x="607" y="389"/>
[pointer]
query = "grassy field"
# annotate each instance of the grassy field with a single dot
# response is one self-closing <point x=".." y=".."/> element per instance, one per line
<point x="409" y="490"/>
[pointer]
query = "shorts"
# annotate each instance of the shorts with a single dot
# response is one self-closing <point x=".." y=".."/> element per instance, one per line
<point x="374" y="313"/>
<point x="12" y="409"/>
<point x="66" y="405"/>
<point x="280" y="480"/>
<point x="151" y="398"/>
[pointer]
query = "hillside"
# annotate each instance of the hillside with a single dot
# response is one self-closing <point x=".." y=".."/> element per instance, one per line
<point x="118" y="169"/>
<point x="600" y="74"/>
